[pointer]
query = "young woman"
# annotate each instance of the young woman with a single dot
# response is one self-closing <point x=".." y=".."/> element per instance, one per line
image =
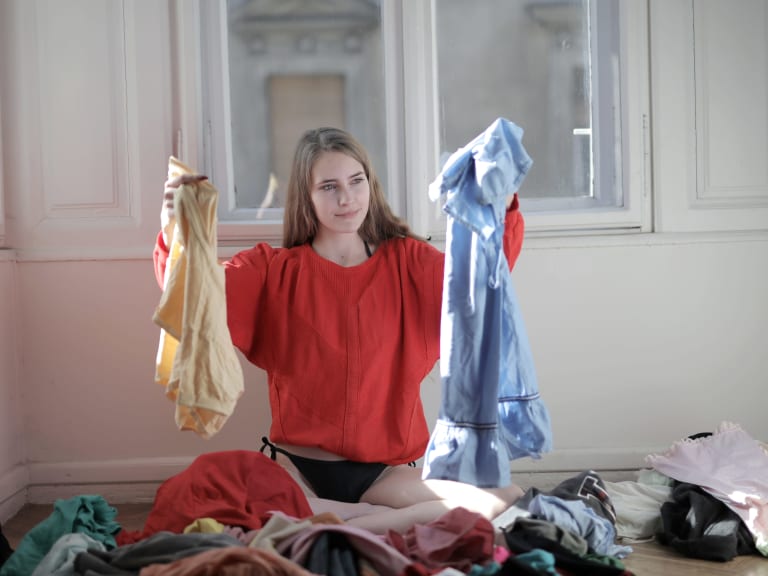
<point x="345" y="320"/>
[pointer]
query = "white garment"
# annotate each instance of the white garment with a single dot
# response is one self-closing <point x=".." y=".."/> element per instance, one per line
<point x="638" y="508"/>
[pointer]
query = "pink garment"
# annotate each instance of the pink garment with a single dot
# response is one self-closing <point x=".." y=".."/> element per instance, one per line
<point x="385" y="560"/>
<point x="731" y="466"/>
<point x="457" y="539"/>
<point x="246" y="537"/>
<point x="500" y="554"/>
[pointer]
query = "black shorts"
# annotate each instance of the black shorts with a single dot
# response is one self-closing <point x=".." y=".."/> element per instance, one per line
<point x="341" y="480"/>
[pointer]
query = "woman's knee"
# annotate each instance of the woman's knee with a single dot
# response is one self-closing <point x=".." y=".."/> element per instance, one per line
<point x="513" y="493"/>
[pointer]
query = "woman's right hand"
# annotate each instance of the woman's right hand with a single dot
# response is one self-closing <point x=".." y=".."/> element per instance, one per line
<point x="167" y="214"/>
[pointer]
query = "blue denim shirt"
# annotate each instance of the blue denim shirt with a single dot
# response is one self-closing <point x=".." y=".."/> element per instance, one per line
<point x="491" y="411"/>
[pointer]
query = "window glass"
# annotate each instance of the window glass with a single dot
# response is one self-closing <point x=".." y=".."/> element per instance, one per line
<point x="294" y="66"/>
<point x="550" y="67"/>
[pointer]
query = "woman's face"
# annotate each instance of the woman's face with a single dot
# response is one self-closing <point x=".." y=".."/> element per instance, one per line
<point x="340" y="193"/>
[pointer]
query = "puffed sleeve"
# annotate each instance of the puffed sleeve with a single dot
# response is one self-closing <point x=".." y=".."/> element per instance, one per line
<point x="245" y="279"/>
<point x="160" y="257"/>
<point x="514" y="229"/>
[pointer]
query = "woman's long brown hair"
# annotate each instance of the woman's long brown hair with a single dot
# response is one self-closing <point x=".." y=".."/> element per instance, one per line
<point x="300" y="222"/>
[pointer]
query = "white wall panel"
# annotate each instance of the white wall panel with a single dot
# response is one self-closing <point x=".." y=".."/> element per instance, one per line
<point x="89" y="136"/>
<point x="709" y="78"/>
<point x="84" y="133"/>
<point x="731" y="61"/>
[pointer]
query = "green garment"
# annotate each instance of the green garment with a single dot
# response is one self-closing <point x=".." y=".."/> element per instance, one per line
<point x="605" y="559"/>
<point x="90" y="515"/>
<point x="538" y="559"/>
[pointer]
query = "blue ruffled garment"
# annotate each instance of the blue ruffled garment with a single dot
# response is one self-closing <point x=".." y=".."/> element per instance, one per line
<point x="491" y="411"/>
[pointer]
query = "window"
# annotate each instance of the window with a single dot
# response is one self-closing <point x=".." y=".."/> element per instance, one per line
<point x="416" y="79"/>
<point x="530" y="62"/>
<point x="561" y="70"/>
<point x="274" y="70"/>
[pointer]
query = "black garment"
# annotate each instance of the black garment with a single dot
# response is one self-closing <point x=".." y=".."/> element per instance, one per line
<point x="698" y="525"/>
<point x="5" y="548"/>
<point x="332" y="554"/>
<point x="341" y="480"/>
<point x="520" y="541"/>
<point x="565" y="538"/>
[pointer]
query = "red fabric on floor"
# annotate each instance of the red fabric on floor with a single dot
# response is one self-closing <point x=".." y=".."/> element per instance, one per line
<point x="457" y="539"/>
<point x="237" y="488"/>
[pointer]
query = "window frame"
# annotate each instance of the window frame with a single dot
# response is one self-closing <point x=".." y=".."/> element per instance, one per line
<point x="634" y="97"/>
<point x="240" y="227"/>
<point x="422" y="137"/>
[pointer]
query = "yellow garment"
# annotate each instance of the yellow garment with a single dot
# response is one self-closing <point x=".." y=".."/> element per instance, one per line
<point x="205" y="526"/>
<point x="196" y="360"/>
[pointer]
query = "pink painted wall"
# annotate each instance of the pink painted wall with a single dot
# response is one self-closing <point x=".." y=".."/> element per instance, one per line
<point x="89" y="351"/>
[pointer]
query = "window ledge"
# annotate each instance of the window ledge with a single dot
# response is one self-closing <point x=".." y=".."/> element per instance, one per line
<point x="538" y="241"/>
<point x="548" y="241"/>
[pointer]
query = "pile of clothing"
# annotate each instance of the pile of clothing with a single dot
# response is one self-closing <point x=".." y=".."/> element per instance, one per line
<point x="706" y="497"/>
<point x="239" y="512"/>
<point x="718" y="506"/>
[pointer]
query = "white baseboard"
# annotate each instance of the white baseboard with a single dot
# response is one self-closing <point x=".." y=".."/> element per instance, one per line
<point x="546" y="481"/>
<point x="576" y="460"/>
<point x="117" y="481"/>
<point x="115" y="493"/>
<point x="125" y="471"/>
<point x="13" y="491"/>
<point x="137" y="479"/>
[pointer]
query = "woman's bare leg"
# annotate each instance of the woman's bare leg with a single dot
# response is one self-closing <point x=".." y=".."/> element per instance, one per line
<point x="417" y="501"/>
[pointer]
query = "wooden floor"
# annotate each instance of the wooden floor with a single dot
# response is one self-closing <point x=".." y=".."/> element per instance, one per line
<point x="648" y="559"/>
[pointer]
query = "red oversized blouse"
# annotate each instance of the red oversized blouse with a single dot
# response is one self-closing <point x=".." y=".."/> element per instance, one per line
<point x="345" y="349"/>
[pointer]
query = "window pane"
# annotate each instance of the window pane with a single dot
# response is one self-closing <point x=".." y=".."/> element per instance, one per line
<point x="531" y="62"/>
<point x="295" y="66"/>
